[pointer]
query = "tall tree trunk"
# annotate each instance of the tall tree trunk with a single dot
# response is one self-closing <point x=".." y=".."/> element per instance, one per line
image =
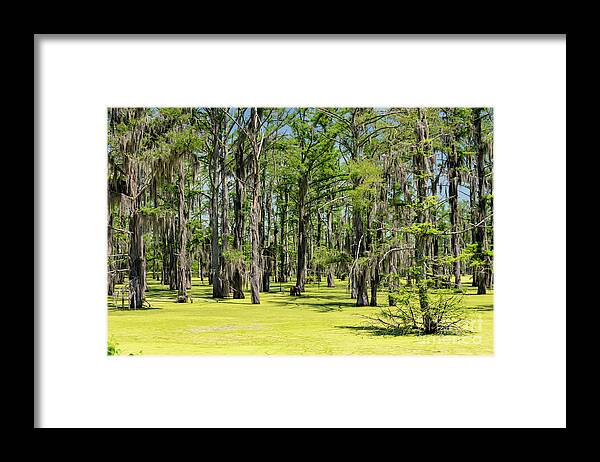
<point x="255" y="209"/>
<point x="480" y="228"/>
<point x="359" y="279"/>
<point x="136" y="242"/>
<point x="374" y="283"/>
<point x="490" y="204"/>
<point x="453" y="186"/>
<point x="130" y="143"/>
<point x="435" y="245"/>
<point x="200" y="264"/>
<point x="421" y="173"/>
<point x="154" y="258"/>
<point x="165" y="257"/>
<point x="225" y="269"/>
<point x="275" y="252"/>
<point x="237" y="279"/>
<point x="375" y="273"/>
<point x="264" y="238"/>
<point x="473" y="194"/>
<point x="330" y="272"/>
<point x="172" y="257"/>
<point x="215" y="258"/>
<point x="318" y="244"/>
<point x="393" y="285"/>
<point x="284" y="236"/>
<point x="301" y="268"/>
<point x="182" y="278"/>
<point x="111" y="266"/>
<point x="136" y="263"/>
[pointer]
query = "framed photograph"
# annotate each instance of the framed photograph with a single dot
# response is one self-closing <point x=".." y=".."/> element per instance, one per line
<point x="246" y="242"/>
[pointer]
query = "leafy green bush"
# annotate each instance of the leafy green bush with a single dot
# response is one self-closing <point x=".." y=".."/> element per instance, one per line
<point x="112" y="348"/>
<point x="441" y="314"/>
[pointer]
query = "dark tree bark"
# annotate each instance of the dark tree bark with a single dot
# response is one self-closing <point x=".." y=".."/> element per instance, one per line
<point x="173" y="250"/>
<point x="359" y="280"/>
<point x="283" y="255"/>
<point x="318" y="244"/>
<point x="165" y="256"/>
<point x="136" y="260"/>
<point x="435" y="245"/>
<point x="266" y="276"/>
<point x="111" y="266"/>
<point x="473" y="194"/>
<point x="264" y="237"/>
<point x="489" y="234"/>
<point x="119" y="276"/>
<point x="130" y="143"/>
<point x="275" y="248"/>
<point x="374" y="284"/>
<point x="302" y="244"/>
<point x="393" y="286"/>
<point x="215" y="257"/>
<point x="237" y="281"/>
<point x="137" y="276"/>
<point x="255" y="209"/>
<point x="182" y="266"/>
<point x="225" y="268"/>
<point x="330" y="271"/>
<point x="453" y="187"/>
<point x="267" y="254"/>
<point x="154" y="258"/>
<point x="200" y="264"/>
<point x="375" y="273"/>
<point x="480" y="216"/>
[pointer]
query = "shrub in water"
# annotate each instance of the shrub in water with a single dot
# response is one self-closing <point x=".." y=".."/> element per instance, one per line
<point x="441" y="314"/>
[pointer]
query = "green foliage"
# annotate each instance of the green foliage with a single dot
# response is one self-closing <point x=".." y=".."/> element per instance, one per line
<point x="443" y="313"/>
<point x="363" y="263"/>
<point x="160" y="211"/>
<point x="476" y="256"/>
<point x="398" y="201"/>
<point x="236" y="258"/>
<point x="112" y="347"/>
<point x="325" y="256"/>
<point x="321" y="255"/>
<point x="364" y="171"/>
<point x="421" y="175"/>
<point x="365" y="176"/>
<point x="487" y="198"/>
<point x="422" y="229"/>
